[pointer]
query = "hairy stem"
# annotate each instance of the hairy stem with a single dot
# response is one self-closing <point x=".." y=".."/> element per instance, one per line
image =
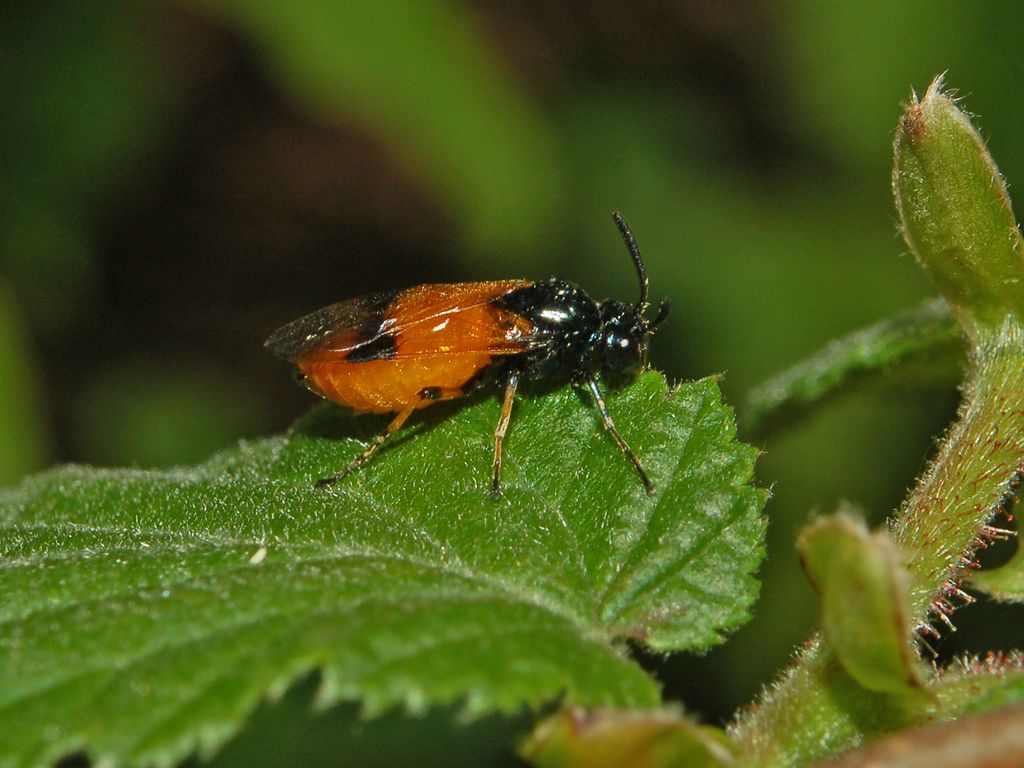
<point x="977" y="468"/>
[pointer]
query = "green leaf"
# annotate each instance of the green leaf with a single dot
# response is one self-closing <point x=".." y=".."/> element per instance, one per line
<point x="864" y="602"/>
<point x="146" y="613"/>
<point x="956" y="213"/>
<point x="615" y="739"/>
<point x="1005" y="583"/>
<point x="925" y="328"/>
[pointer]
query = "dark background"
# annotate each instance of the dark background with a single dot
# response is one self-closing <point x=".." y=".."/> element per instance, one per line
<point x="178" y="179"/>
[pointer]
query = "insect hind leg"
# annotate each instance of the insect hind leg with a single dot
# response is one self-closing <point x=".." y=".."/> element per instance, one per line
<point x="434" y="394"/>
<point x="378" y="441"/>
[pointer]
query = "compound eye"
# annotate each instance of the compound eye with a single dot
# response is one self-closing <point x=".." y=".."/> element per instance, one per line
<point x="622" y="352"/>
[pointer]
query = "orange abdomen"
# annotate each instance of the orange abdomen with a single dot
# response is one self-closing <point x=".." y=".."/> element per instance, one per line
<point x="445" y="353"/>
<point x="384" y="386"/>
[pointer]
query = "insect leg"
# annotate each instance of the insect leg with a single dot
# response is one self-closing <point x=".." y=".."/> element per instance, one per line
<point x="610" y="426"/>
<point x="378" y="441"/>
<point x="499" y="434"/>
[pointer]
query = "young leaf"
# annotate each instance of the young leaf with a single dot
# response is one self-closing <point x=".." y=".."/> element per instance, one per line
<point x="956" y="214"/>
<point x="612" y="739"/>
<point x="145" y="613"/>
<point x="922" y="329"/>
<point x="864" y="602"/>
<point x="1004" y="583"/>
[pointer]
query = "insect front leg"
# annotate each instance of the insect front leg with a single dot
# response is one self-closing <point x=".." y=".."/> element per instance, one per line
<point x="511" y="383"/>
<point x="609" y="425"/>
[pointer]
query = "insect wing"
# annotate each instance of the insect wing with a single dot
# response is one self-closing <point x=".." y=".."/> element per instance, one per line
<point x="356" y="319"/>
<point x="453" y="319"/>
<point x="427" y="320"/>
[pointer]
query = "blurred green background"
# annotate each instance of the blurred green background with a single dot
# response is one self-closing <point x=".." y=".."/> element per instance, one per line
<point x="178" y="179"/>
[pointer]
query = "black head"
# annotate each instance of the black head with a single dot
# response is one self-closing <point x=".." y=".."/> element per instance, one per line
<point x="624" y="329"/>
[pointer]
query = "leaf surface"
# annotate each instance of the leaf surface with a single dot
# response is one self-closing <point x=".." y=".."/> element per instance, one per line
<point x="145" y="613"/>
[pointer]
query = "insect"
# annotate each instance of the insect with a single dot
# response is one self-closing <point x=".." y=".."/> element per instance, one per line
<point x="400" y="351"/>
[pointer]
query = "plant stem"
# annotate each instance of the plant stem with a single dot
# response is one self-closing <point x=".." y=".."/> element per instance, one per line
<point x="945" y="518"/>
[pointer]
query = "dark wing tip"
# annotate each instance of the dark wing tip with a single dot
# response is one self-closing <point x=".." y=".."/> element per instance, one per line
<point x="361" y="316"/>
<point x="305" y="334"/>
<point x="285" y="342"/>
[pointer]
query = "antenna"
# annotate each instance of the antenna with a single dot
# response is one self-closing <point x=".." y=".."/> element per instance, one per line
<point x="634" y="251"/>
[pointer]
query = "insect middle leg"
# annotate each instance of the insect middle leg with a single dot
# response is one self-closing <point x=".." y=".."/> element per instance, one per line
<point x="511" y="383"/>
